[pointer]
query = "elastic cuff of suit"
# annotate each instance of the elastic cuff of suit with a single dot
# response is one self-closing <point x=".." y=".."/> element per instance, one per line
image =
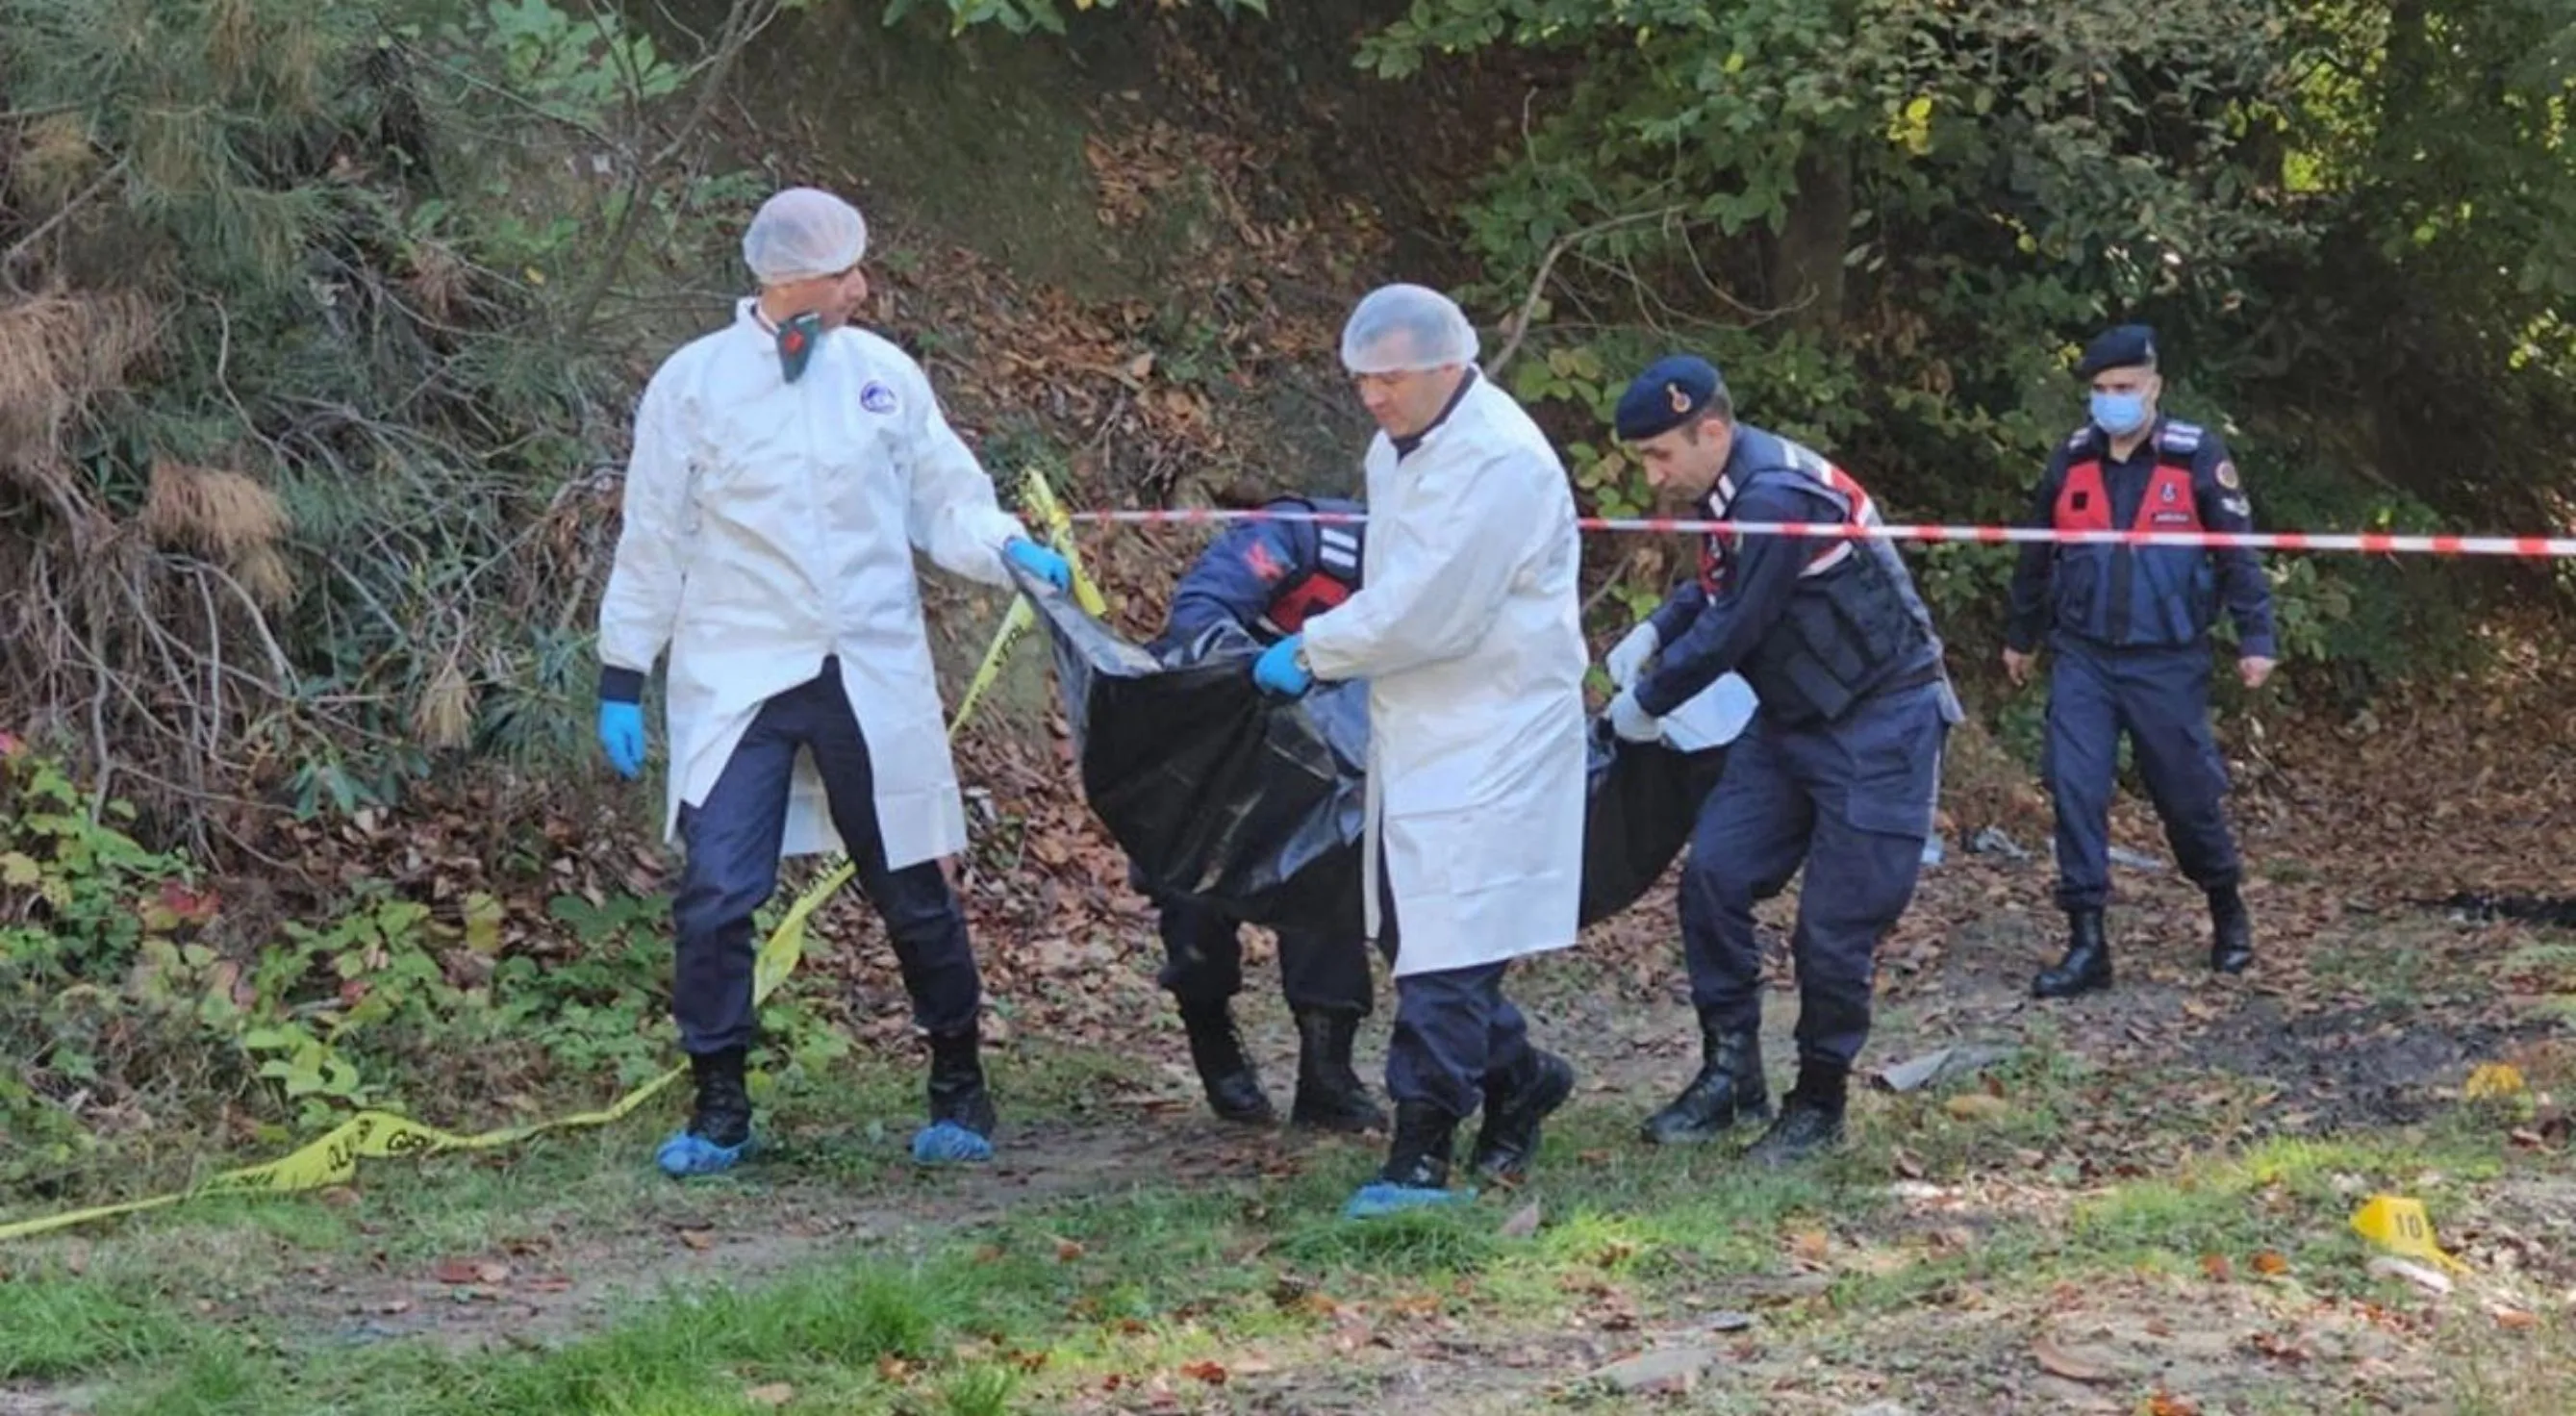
<point x="2259" y="649"/>
<point x="621" y="685"/>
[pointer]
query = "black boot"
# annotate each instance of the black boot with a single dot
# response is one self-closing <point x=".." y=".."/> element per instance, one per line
<point x="723" y="1115"/>
<point x="2231" y="934"/>
<point x="1811" y="1119"/>
<point x="1416" y="1173"/>
<point x="1330" y="1095"/>
<point x="1216" y="1049"/>
<point x="2087" y="965"/>
<point x="1514" y="1107"/>
<point x="1418" y="1157"/>
<point x="719" y="1128"/>
<point x="961" y="1110"/>
<point x="1728" y="1089"/>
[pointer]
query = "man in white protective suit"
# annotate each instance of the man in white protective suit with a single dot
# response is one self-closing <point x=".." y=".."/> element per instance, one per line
<point x="1467" y="628"/>
<point x="784" y="470"/>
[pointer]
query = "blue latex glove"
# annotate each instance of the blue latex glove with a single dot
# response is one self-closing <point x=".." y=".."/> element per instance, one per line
<point x="621" y="732"/>
<point x="1632" y="722"/>
<point x="1276" y="671"/>
<point x="1040" y="561"/>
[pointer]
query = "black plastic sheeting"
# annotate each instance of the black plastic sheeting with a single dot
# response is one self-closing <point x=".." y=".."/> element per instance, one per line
<point x="1217" y="790"/>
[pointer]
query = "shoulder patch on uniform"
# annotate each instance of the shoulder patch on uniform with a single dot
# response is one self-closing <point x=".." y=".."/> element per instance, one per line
<point x="2181" y="437"/>
<point x="877" y="396"/>
<point x="1262" y="563"/>
<point x="2226" y="474"/>
<point x="2236" y="506"/>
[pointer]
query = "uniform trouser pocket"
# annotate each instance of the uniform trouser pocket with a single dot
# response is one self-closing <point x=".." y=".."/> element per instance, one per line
<point x="1861" y="869"/>
<point x="1894" y="786"/>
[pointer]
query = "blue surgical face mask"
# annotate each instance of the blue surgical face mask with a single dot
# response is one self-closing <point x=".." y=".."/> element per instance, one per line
<point x="2118" y="413"/>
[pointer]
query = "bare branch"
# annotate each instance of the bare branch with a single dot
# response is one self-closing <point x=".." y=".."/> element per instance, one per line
<point x="277" y="660"/>
<point x="1618" y="576"/>
<point x="743" y="22"/>
<point x="1547" y="266"/>
<point x="516" y="99"/>
<point x="46" y="227"/>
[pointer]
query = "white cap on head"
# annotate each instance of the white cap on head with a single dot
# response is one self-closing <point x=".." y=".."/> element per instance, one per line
<point x="1399" y="329"/>
<point x="801" y="233"/>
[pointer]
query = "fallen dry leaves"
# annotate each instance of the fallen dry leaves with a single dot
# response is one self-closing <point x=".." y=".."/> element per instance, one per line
<point x="1977" y="1106"/>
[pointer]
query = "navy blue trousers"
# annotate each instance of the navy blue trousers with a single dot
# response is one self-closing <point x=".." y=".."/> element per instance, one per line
<point x="2160" y="698"/>
<point x="1852" y="801"/>
<point x="1456" y="1034"/>
<point x="733" y="839"/>
<point x="1319" y="970"/>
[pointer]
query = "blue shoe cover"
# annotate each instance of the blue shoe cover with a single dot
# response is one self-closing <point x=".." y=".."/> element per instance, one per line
<point x="947" y="1143"/>
<point x="685" y="1155"/>
<point x="1378" y="1197"/>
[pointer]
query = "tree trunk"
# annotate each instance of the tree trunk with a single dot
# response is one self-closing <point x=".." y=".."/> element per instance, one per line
<point x="1806" y="275"/>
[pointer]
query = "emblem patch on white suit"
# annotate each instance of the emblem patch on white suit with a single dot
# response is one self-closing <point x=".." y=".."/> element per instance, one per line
<point x="876" y="397"/>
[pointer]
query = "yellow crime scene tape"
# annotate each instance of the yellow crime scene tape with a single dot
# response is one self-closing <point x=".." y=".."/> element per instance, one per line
<point x="1020" y="618"/>
<point x="382" y="1135"/>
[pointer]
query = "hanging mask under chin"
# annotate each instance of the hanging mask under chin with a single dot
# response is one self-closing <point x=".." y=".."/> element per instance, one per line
<point x="796" y="340"/>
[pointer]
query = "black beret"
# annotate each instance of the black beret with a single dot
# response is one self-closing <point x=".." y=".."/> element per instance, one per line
<point x="1672" y="391"/>
<point x="2122" y="347"/>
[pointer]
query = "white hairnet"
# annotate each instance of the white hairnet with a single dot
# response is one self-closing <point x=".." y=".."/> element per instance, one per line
<point x="803" y="232"/>
<point x="1402" y="329"/>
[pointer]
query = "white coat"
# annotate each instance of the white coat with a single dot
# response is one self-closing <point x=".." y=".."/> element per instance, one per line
<point x="1468" y="630"/>
<point x="769" y="525"/>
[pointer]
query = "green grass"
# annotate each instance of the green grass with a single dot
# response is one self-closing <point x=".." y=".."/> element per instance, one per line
<point x="53" y="1324"/>
<point x="850" y="1135"/>
<point x="2169" y="1220"/>
<point x="2387" y="976"/>
<point x="822" y="1332"/>
<point x="1066" y="1296"/>
<point x="1155" y="1278"/>
<point x="1159" y="1277"/>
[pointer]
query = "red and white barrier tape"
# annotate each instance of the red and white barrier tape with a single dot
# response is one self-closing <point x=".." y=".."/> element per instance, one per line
<point x="2368" y="543"/>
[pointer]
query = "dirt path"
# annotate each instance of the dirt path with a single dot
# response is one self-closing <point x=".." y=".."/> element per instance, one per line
<point x="2311" y="1044"/>
<point x="1629" y="1031"/>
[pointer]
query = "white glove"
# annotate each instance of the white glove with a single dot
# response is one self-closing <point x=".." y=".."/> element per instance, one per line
<point x="1628" y="657"/>
<point x="1632" y="722"/>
